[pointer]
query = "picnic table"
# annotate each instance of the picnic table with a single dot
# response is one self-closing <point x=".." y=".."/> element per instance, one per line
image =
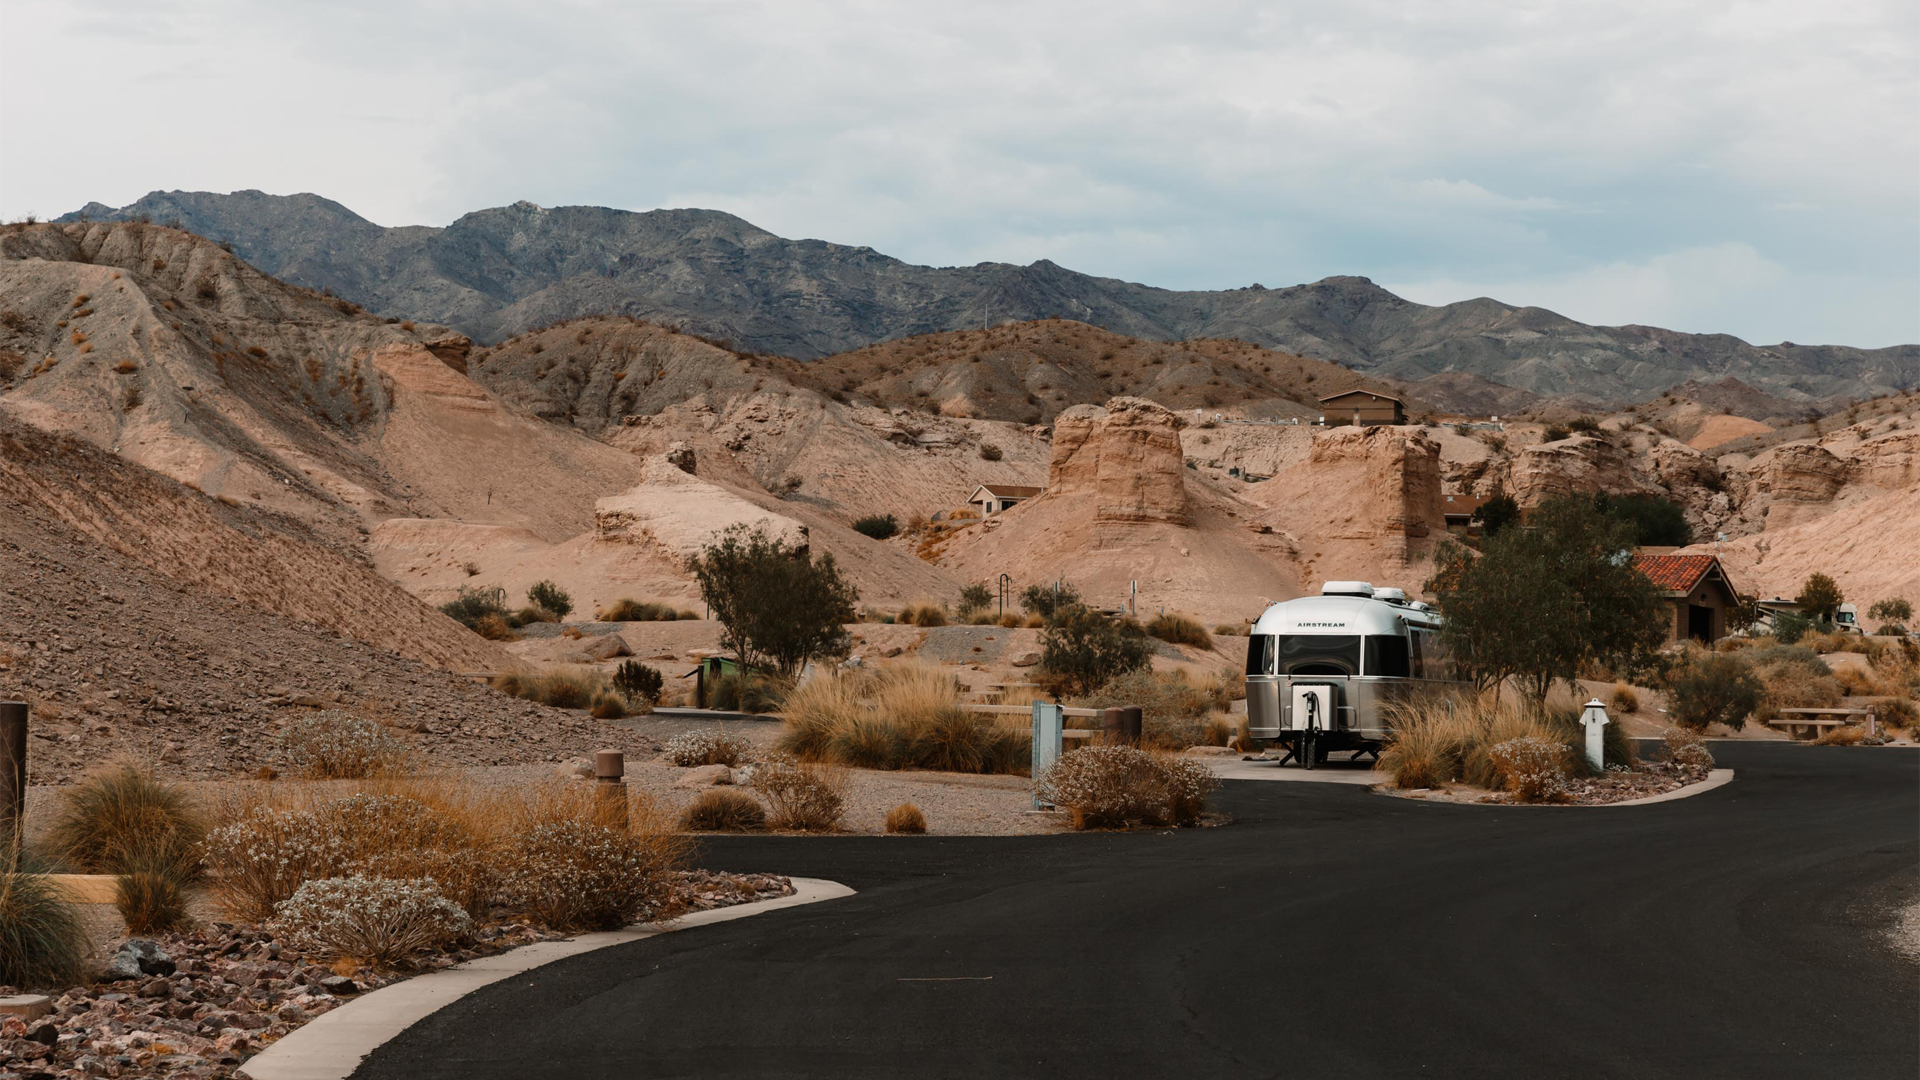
<point x="1806" y="723"/>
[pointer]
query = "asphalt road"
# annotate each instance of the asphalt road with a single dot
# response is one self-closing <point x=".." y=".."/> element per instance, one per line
<point x="1327" y="932"/>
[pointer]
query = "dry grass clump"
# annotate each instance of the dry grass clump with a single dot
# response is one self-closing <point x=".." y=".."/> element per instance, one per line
<point x="922" y="615"/>
<point x="720" y="809"/>
<point x="125" y="816"/>
<point x="1437" y="742"/>
<point x="494" y="628"/>
<point x="43" y="943"/>
<point x="1897" y="713"/>
<point x="1624" y="699"/>
<point x="746" y="691"/>
<point x="1119" y="786"/>
<point x="1844" y="735"/>
<point x="1180" y="630"/>
<point x="629" y="610"/>
<point x="899" y="717"/>
<point x="805" y="796"/>
<point x="333" y="745"/>
<point x="691" y="748"/>
<point x="906" y="818"/>
<point x="1794" y="677"/>
<point x="560" y="687"/>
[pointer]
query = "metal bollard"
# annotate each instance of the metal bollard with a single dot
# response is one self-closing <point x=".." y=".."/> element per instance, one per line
<point x="13" y="775"/>
<point x="609" y="766"/>
<point x="1134" y="724"/>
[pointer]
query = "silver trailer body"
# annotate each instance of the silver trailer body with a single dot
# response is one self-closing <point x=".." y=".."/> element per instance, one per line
<point x="1328" y="664"/>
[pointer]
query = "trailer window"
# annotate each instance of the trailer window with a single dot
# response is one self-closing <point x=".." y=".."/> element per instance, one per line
<point x="1387" y="656"/>
<point x="1260" y="654"/>
<point x="1316" y="654"/>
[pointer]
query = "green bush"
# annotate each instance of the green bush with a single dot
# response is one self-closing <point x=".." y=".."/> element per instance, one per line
<point x="1081" y="648"/>
<point x="1044" y="600"/>
<point x="778" y="604"/>
<point x="1819" y="598"/>
<point x="975" y="597"/>
<point x="1790" y="626"/>
<point x="1656" y="521"/>
<point x="878" y="526"/>
<point x="1180" y="630"/>
<point x="638" y="682"/>
<point x="43" y="943"/>
<point x="1496" y="514"/>
<point x="471" y="605"/>
<point x="550" y="597"/>
<point x="990" y="452"/>
<point x="1716" y="689"/>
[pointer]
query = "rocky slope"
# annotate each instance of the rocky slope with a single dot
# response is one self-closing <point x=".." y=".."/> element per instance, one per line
<point x="501" y="271"/>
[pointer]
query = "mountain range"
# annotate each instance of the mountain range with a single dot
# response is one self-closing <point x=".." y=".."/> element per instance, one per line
<point x="503" y="271"/>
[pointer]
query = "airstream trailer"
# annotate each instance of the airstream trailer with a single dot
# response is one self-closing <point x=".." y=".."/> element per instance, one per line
<point x="1321" y="669"/>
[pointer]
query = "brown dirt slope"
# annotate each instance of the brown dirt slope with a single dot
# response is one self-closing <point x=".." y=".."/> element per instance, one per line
<point x="230" y="550"/>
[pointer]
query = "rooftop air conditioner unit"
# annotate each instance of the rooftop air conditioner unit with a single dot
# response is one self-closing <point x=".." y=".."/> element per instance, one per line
<point x="1391" y="596"/>
<point x="1347" y="588"/>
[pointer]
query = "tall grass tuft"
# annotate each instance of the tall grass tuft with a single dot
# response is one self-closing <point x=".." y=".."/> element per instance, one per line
<point x="1448" y="740"/>
<point x="123" y="817"/>
<point x="900" y="717"/>
<point x="43" y="943"/>
<point x="1180" y="630"/>
<point x="560" y="687"/>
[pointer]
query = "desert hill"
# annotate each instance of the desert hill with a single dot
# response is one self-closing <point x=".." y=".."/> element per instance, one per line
<point x="498" y="272"/>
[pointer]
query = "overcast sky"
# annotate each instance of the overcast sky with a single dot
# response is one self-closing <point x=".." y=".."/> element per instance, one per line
<point x="1748" y="168"/>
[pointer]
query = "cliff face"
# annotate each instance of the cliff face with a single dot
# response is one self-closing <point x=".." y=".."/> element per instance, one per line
<point x="1580" y="464"/>
<point x="1398" y="494"/>
<point x="1126" y="456"/>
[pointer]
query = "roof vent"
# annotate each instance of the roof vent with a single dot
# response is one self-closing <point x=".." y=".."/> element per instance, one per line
<point x="1418" y="606"/>
<point x="1347" y="588"/>
<point x="1391" y="596"/>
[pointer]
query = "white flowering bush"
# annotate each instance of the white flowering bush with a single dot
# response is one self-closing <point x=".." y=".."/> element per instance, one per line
<point x="1117" y="786"/>
<point x="1686" y="750"/>
<point x="1533" y="768"/>
<point x="379" y="920"/>
<point x="332" y="745"/>
<point x="804" y="795"/>
<point x="263" y="857"/>
<point x="573" y="874"/>
<point x="691" y="748"/>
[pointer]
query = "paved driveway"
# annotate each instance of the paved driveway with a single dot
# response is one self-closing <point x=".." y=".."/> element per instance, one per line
<point x="1328" y="932"/>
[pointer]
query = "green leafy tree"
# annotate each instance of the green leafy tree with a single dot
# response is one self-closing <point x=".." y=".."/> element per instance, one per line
<point x="1081" y="648"/>
<point x="1044" y="600"/>
<point x="1790" y="626"/>
<point x="1496" y="514"/>
<point x="777" y="605"/>
<point x="1656" y="521"/>
<point x="1893" y="614"/>
<point x="877" y="526"/>
<point x="975" y="596"/>
<point x="1719" y="688"/>
<point x="1819" y="598"/>
<point x="1541" y="602"/>
<point x="551" y="597"/>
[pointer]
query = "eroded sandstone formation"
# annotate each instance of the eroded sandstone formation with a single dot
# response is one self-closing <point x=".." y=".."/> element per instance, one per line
<point x="1126" y="456"/>
<point x="680" y="513"/>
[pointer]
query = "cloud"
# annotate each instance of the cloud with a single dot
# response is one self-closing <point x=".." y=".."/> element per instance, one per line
<point x="1200" y="145"/>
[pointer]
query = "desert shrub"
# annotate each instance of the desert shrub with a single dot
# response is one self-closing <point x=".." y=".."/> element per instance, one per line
<point x="470" y="605"/>
<point x="1180" y="630"/>
<point x="1118" y="786"/>
<point x="1656" y="521"/>
<point x="1044" y="600"/>
<point x="747" y="691"/>
<point x="1080" y="649"/>
<point x="1434" y="743"/>
<point x="1820" y="597"/>
<point x="527" y="616"/>
<point x="1686" y="750"/>
<point x="43" y="942"/>
<point x="990" y="452"/>
<point x="495" y="628"/>
<point x="720" y="809"/>
<point x="1897" y="713"/>
<point x="607" y="705"/>
<point x="1795" y="678"/>
<point x="562" y="688"/>
<point x="150" y="892"/>
<point x="1585" y="425"/>
<point x="778" y="604"/>
<point x="629" y="610"/>
<point x="1790" y="626"/>
<point x="1231" y="630"/>
<point x="1533" y="768"/>
<point x="1173" y="707"/>
<point x="1009" y="620"/>
<point x="877" y="526"/>
<point x="126" y="816"/>
<point x="975" y="596"/>
<point x="1498" y="511"/>
<point x="979" y="617"/>
<point x="638" y="683"/>
<point x="1716" y="689"/>
<point x="690" y="748"/>
<point x="378" y="920"/>
<point x="1844" y="735"/>
<point x="1555" y="433"/>
<point x="332" y="745"/>
<point x="577" y="873"/>
<point x="1896" y="610"/>
<point x="550" y="597"/>
<point x="1624" y="699"/>
<point x="906" y="818"/>
<point x="805" y="796"/>
<point x="264" y="856"/>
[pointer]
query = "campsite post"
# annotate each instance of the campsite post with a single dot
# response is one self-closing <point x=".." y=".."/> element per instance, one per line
<point x="1594" y="719"/>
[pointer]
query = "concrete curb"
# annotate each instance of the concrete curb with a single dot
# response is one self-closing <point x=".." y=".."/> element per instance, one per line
<point x="1715" y="779"/>
<point x="334" y="1045"/>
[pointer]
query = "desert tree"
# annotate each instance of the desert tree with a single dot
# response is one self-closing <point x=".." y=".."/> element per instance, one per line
<point x="778" y="606"/>
<point x="1819" y="598"/>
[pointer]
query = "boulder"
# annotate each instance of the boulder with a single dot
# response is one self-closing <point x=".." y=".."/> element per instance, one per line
<point x="704" y="776"/>
<point x="1028" y="658"/>
<point x="606" y="647"/>
<point x="576" y="768"/>
<point x="339" y="985"/>
<point x="138" y="957"/>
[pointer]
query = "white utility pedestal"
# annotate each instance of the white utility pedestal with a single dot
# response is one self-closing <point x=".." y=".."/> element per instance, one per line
<point x="1594" y="719"/>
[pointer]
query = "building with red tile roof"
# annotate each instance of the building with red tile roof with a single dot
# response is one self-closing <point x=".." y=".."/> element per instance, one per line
<point x="1698" y="589"/>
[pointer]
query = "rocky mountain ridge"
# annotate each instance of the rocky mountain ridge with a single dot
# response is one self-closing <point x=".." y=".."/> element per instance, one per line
<point x="502" y="271"/>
